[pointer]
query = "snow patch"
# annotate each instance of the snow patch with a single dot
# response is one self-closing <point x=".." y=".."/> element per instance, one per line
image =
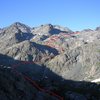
<point x="17" y="57"/>
<point x="96" y="80"/>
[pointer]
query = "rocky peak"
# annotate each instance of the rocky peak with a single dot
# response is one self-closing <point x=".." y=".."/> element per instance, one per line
<point x="48" y="26"/>
<point x="64" y="29"/>
<point x="16" y="28"/>
<point x="87" y="30"/>
<point x="0" y="30"/>
<point x="43" y="29"/>
<point x="22" y="27"/>
<point x="98" y="28"/>
<point x="51" y="29"/>
<point x="15" y="33"/>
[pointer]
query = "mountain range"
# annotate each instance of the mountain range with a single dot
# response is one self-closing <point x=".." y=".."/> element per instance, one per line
<point x="50" y="53"/>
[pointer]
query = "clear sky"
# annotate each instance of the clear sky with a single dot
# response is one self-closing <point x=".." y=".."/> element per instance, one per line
<point x="75" y="14"/>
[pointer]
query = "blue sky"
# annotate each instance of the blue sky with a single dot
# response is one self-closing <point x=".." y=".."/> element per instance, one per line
<point x="75" y="14"/>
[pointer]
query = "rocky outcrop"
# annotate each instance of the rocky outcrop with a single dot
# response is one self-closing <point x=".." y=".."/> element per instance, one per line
<point x="98" y="29"/>
<point x="81" y="63"/>
<point x="28" y="51"/>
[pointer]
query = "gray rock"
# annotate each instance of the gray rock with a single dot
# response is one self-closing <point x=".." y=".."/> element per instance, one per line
<point x="98" y="29"/>
<point x="74" y="96"/>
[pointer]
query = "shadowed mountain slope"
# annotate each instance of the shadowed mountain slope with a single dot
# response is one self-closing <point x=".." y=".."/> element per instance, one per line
<point x="16" y="87"/>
